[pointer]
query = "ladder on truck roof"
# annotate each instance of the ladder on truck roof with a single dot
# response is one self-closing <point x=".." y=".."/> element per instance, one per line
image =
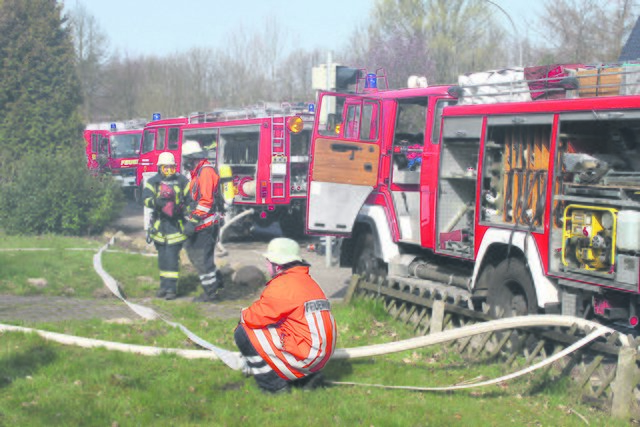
<point x="260" y="110"/>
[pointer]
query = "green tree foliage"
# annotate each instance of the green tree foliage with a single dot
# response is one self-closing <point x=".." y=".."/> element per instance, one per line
<point x="39" y="89"/>
<point x="56" y="194"/>
<point x="44" y="182"/>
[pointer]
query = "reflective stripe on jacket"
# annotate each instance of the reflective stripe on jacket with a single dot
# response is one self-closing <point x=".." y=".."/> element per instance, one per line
<point x="291" y="325"/>
<point x="202" y="189"/>
<point x="163" y="229"/>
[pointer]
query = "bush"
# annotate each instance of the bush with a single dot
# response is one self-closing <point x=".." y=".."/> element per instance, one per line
<point x="57" y="194"/>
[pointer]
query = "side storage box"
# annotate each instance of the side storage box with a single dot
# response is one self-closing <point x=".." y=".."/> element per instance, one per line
<point x="599" y="82"/>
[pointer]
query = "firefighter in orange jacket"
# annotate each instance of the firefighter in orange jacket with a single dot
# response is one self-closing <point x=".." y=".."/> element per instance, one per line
<point x="203" y="221"/>
<point x="289" y="334"/>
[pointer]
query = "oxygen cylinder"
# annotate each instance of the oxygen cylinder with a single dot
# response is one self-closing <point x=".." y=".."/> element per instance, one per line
<point x="226" y="180"/>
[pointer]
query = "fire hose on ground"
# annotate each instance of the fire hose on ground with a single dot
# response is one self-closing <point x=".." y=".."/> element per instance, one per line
<point x="235" y="361"/>
<point x="221" y="250"/>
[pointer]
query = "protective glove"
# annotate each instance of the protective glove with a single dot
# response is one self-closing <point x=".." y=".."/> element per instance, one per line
<point x="160" y="202"/>
<point x="189" y="228"/>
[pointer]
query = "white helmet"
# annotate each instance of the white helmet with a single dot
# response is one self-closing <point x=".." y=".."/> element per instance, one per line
<point x="166" y="159"/>
<point x="192" y="149"/>
<point x="282" y="250"/>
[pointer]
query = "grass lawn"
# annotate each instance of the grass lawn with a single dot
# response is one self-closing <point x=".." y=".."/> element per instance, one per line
<point x="48" y="384"/>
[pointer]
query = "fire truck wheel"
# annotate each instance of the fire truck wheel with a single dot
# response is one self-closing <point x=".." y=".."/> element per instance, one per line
<point x="292" y="225"/>
<point x="365" y="263"/>
<point x="511" y="291"/>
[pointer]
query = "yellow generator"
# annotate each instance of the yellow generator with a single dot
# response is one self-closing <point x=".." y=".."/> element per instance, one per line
<point x="589" y="238"/>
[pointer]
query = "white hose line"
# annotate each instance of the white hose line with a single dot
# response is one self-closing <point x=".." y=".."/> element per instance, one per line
<point x="226" y="225"/>
<point x="592" y="336"/>
<point x="115" y="251"/>
<point x="125" y="348"/>
<point x="44" y="249"/>
<point x="110" y="282"/>
<point x="356" y="352"/>
<point x="467" y="331"/>
<point x="231" y="359"/>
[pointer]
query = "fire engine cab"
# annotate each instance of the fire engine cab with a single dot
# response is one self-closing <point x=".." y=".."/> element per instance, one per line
<point x="158" y="136"/>
<point x="529" y="201"/>
<point x="114" y="148"/>
<point x="266" y="147"/>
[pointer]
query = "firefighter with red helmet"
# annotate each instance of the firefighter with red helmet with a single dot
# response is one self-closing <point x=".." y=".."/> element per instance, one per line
<point x="203" y="219"/>
<point x="289" y="334"/>
<point x="165" y="193"/>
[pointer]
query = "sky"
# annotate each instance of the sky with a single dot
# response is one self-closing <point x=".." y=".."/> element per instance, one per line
<point x="163" y="27"/>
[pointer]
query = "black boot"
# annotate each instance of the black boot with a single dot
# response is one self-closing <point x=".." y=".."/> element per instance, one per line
<point x="161" y="293"/>
<point x="210" y="294"/>
<point x="171" y="294"/>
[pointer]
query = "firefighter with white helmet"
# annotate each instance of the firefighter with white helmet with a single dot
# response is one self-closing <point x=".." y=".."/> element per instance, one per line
<point x="166" y="193"/>
<point x="203" y="218"/>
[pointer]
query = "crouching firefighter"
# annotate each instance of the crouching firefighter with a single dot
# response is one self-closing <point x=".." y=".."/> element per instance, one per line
<point x="289" y="334"/>
<point x="165" y="193"/>
<point x="204" y="215"/>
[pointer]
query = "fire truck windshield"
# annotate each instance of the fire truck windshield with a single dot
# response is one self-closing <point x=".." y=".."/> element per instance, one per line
<point x="124" y="146"/>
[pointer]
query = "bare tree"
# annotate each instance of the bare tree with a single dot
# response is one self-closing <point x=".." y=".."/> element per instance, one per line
<point x="587" y="31"/>
<point x="251" y="66"/>
<point x="293" y="82"/>
<point x="91" y="45"/>
<point x="437" y="38"/>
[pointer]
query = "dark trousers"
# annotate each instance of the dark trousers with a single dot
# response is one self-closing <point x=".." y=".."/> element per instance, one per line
<point x="266" y="378"/>
<point x="169" y="265"/>
<point x="200" y="249"/>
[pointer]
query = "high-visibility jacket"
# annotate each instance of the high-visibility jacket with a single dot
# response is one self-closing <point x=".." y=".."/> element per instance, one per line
<point x="291" y="325"/>
<point x="163" y="229"/>
<point x="202" y="190"/>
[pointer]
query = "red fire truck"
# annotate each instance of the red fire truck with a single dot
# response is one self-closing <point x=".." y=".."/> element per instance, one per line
<point x="114" y="148"/>
<point x="159" y="135"/>
<point x="267" y="149"/>
<point x="530" y="206"/>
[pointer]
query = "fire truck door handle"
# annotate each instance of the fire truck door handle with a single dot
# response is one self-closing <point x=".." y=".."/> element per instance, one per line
<point x="343" y="148"/>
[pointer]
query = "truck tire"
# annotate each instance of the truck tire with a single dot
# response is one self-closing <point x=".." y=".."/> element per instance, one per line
<point x="292" y="225"/>
<point x="365" y="263"/>
<point x="511" y="291"/>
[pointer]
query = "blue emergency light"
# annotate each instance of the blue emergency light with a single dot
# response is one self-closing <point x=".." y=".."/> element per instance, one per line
<point x="312" y="108"/>
<point x="371" y="82"/>
<point x="156" y="116"/>
<point x="113" y="127"/>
